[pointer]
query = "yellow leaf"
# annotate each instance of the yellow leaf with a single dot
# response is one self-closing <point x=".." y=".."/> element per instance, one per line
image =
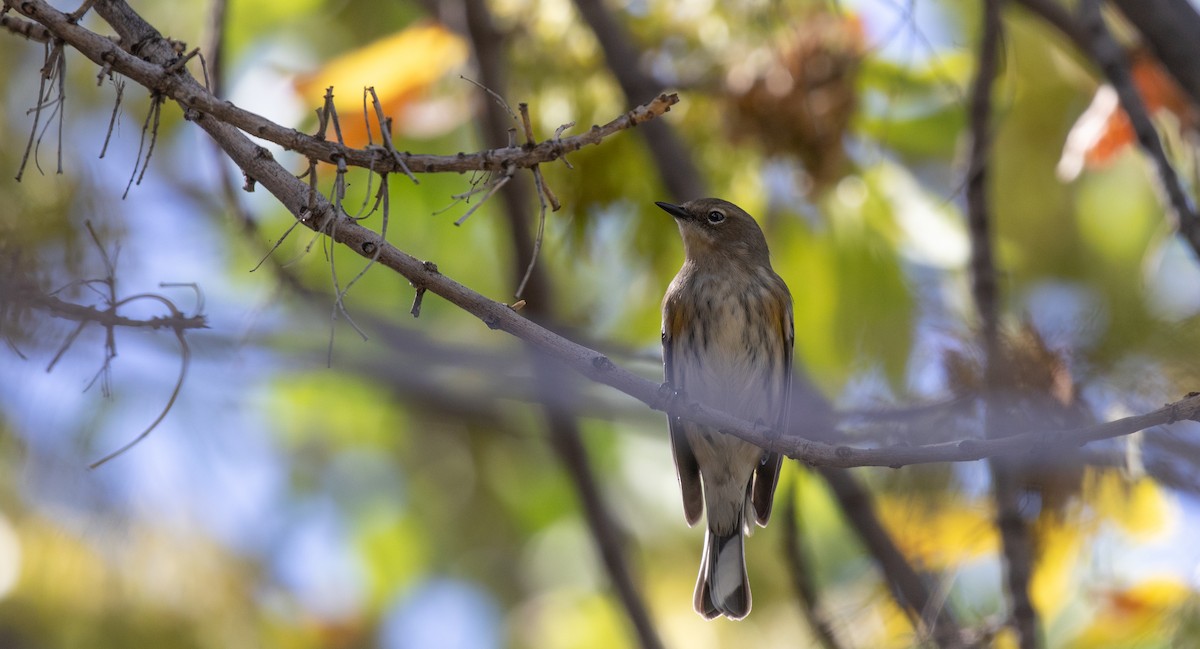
<point x="1138" y="507"/>
<point x="401" y="67"/>
<point x="1059" y="546"/>
<point x="939" y="536"/>
<point x="1136" y="616"/>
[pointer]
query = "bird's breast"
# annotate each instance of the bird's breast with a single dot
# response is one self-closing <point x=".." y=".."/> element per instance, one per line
<point x="728" y="348"/>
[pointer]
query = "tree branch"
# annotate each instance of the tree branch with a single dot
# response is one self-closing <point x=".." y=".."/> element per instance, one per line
<point x="553" y="388"/>
<point x="800" y="565"/>
<point x="107" y="318"/>
<point x="158" y="75"/>
<point x="1170" y="28"/>
<point x="1091" y="36"/>
<point x="680" y="175"/>
<point x="295" y="196"/>
<point x="28" y="29"/>
<point x="1014" y="534"/>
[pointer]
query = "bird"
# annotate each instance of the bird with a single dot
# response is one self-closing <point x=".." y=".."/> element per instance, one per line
<point x="727" y="336"/>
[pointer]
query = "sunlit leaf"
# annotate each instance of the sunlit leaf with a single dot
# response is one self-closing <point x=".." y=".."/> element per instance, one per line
<point x="1139" y="508"/>
<point x="401" y="68"/>
<point x="1140" y="616"/>
<point x="942" y="535"/>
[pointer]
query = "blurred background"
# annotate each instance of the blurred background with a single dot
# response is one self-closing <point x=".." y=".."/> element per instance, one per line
<point x="391" y="482"/>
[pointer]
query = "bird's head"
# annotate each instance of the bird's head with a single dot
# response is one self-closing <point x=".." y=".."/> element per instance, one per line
<point x="716" y="230"/>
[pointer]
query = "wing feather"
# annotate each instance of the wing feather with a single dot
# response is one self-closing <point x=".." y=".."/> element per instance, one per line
<point x="687" y="469"/>
<point x="766" y="476"/>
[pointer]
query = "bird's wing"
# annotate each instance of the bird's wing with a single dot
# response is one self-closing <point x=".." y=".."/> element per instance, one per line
<point x="687" y="470"/>
<point x="766" y="476"/>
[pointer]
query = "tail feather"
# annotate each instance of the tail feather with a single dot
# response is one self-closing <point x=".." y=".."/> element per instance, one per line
<point x="723" y="588"/>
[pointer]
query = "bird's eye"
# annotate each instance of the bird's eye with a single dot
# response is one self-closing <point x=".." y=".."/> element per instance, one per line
<point x="715" y="217"/>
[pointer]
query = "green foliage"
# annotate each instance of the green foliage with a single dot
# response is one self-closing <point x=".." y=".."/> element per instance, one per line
<point x="425" y="442"/>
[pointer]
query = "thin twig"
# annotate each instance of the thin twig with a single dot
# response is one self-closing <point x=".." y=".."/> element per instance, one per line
<point x="491" y="188"/>
<point x="112" y="120"/>
<point x="52" y="52"/>
<point x="70" y="339"/>
<point x="60" y="108"/>
<point x="544" y="195"/>
<point x="494" y="95"/>
<point x="185" y="360"/>
<point x="152" y="116"/>
<point x="385" y="131"/>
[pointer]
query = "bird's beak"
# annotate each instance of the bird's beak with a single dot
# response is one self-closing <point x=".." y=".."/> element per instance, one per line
<point x="673" y="210"/>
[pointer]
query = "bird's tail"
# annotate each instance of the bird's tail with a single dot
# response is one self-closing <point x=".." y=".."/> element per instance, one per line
<point x="723" y="587"/>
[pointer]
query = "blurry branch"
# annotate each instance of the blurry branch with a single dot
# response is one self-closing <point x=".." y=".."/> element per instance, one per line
<point x="910" y="589"/>
<point x="315" y="212"/>
<point x="1168" y="459"/>
<point x="680" y="175"/>
<point x="983" y="265"/>
<point x="16" y="289"/>
<point x="914" y="592"/>
<point x="1090" y="35"/>
<point x="568" y="445"/>
<point x="532" y="283"/>
<point x="800" y="565"/>
<point x="1108" y="54"/>
<point x="214" y="46"/>
<point x="1170" y="28"/>
<point x="107" y="318"/>
<point x="1017" y="543"/>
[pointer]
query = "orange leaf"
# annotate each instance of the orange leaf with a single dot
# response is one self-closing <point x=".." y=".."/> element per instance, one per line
<point x="1103" y="131"/>
<point x="401" y="67"/>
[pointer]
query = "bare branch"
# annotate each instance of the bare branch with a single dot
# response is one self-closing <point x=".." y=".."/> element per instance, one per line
<point x="1169" y="27"/>
<point x="26" y="28"/>
<point x="554" y="387"/>
<point x="154" y="74"/>
<point x="24" y="293"/>
<point x="108" y="317"/>
<point x="312" y="210"/>
<point x="1091" y="35"/>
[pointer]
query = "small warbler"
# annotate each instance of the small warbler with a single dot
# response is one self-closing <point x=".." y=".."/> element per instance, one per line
<point x="727" y="343"/>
